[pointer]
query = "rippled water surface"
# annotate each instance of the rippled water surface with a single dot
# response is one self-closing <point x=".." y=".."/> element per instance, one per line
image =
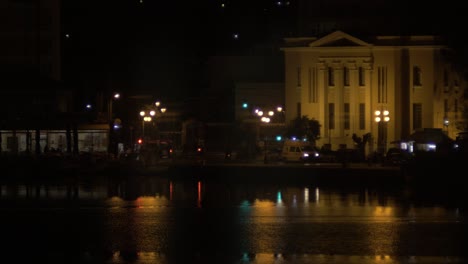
<point x="146" y="219"/>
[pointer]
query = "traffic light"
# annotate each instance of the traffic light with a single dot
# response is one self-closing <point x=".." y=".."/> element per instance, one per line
<point x="140" y="141"/>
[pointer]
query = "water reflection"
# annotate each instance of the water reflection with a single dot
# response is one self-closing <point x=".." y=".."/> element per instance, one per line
<point x="152" y="219"/>
<point x="307" y="200"/>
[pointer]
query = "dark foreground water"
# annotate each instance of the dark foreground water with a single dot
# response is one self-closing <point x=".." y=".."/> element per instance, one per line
<point x="147" y="219"/>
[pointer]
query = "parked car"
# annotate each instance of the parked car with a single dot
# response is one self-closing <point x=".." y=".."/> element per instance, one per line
<point x="396" y="156"/>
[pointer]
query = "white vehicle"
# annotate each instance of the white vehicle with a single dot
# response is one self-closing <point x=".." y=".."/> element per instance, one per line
<point x="294" y="150"/>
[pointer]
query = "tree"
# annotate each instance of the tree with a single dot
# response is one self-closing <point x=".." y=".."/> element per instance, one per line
<point x="361" y="144"/>
<point x="304" y="128"/>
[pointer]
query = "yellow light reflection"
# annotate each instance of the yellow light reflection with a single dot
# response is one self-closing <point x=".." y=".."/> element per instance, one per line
<point x="263" y="204"/>
<point x="116" y="201"/>
<point x="150" y="202"/>
<point x="381" y="211"/>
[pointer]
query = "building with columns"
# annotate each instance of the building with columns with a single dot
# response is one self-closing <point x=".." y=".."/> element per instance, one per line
<point x="342" y="80"/>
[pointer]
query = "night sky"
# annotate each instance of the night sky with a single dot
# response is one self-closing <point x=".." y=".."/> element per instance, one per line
<point x="162" y="46"/>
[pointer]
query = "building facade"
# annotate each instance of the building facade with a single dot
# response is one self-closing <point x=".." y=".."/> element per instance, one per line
<point x="341" y="81"/>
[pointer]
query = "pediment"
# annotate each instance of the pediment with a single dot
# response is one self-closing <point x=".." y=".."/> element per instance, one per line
<point x="338" y="39"/>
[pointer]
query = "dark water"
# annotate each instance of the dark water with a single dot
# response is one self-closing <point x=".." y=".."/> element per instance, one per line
<point x="145" y="219"/>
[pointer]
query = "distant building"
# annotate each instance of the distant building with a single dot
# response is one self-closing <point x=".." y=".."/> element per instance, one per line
<point x="30" y="38"/>
<point x="36" y="107"/>
<point x="342" y="80"/>
<point x="263" y="96"/>
<point x="254" y="80"/>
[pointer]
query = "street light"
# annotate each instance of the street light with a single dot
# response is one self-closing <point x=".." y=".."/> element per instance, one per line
<point x="150" y="114"/>
<point x="266" y="120"/>
<point x="112" y="147"/>
<point x="255" y="116"/>
<point x="158" y="108"/>
<point x="446" y="124"/>
<point x="382" y="118"/>
<point x="146" y="117"/>
<point x="115" y="96"/>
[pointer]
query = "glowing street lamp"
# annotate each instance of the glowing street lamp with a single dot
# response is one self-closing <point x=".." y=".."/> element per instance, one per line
<point x="446" y="124"/>
<point x="150" y="114"/>
<point x="382" y="118"/>
<point x="258" y="118"/>
<point x="146" y="117"/>
<point x="112" y="146"/>
<point x="115" y="96"/>
<point x="266" y="120"/>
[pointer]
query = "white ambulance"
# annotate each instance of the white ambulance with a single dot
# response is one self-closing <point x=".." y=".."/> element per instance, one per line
<point x="299" y="151"/>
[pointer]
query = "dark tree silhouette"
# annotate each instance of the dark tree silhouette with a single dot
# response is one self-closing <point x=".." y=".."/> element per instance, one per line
<point x="361" y="144"/>
<point x="304" y="127"/>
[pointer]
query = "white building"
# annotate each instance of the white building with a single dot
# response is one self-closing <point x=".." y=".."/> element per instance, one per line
<point x="341" y="80"/>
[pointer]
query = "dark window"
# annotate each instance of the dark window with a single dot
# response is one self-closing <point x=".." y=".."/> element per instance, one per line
<point x="346" y="76"/>
<point x="362" y="76"/>
<point x="416" y="76"/>
<point x="347" y="124"/>
<point x="362" y="116"/>
<point x="417" y="116"/>
<point x="331" y="116"/>
<point x="331" y="76"/>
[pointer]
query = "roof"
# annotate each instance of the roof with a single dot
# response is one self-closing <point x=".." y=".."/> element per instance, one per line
<point x="430" y="135"/>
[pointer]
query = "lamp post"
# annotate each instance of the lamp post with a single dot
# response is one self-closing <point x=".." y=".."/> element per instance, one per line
<point x="265" y="119"/>
<point x="446" y="125"/>
<point x="382" y="118"/>
<point x="115" y="96"/>
<point x="150" y="114"/>
<point x="145" y="117"/>
<point x="112" y="149"/>
<point x="255" y="116"/>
